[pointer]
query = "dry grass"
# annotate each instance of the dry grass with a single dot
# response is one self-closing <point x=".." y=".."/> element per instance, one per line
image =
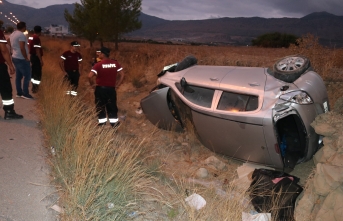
<point x="105" y="174"/>
<point x="221" y="204"/>
<point x="99" y="171"/>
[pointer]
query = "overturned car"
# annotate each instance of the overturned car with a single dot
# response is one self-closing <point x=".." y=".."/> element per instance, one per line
<point x="253" y="114"/>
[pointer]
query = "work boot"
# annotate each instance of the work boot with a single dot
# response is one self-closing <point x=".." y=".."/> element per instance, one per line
<point x="12" y="115"/>
<point x="34" y="88"/>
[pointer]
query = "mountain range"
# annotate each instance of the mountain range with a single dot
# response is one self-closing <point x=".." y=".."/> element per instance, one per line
<point x="236" y="31"/>
<point x="327" y="27"/>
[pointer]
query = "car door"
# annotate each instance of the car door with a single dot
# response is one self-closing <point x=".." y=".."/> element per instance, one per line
<point x="234" y="125"/>
<point x="156" y="107"/>
<point x="231" y="127"/>
<point x="230" y="134"/>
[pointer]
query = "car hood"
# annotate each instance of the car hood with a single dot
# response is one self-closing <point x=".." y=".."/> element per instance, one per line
<point x="240" y="79"/>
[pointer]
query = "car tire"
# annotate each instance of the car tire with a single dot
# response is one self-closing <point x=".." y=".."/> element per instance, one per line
<point x="290" y="68"/>
<point x="186" y="63"/>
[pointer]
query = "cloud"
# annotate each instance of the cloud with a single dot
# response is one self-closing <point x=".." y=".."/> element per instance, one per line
<point x="206" y="9"/>
<point x="22" y="2"/>
<point x="42" y="3"/>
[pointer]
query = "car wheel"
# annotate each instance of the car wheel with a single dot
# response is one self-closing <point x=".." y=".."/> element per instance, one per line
<point x="290" y="68"/>
<point x="186" y="63"/>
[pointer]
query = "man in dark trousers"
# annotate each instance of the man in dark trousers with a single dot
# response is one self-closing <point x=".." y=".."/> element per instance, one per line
<point x="21" y="61"/>
<point x="105" y="85"/>
<point x="36" y="59"/>
<point x="5" y="82"/>
<point x="70" y="65"/>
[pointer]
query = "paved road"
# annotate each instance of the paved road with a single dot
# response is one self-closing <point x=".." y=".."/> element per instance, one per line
<point x="25" y="191"/>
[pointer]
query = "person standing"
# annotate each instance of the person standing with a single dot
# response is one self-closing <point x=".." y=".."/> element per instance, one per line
<point x="20" y="53"/>
<point x="96" y="59"/>
<point x="36" y="54"/>
<point x="105" y="85"/>
<point x="5" y="82"/>
<point x="70" y="65"/>
<point x="8" y="45"/>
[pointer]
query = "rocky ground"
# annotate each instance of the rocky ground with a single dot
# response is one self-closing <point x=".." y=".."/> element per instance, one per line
<point x="323" y="197"/>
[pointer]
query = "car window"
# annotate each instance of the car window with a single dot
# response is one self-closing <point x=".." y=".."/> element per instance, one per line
<point x="237" y="102"/>
<point x="199" y="95"/>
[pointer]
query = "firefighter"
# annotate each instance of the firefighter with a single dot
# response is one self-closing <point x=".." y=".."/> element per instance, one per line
<point x="70" y="65"/>
<point x="36" y="59"/>
<point x="96" y="59"/>
<point x="106" y="72"/>
<point x="5" y="82"/>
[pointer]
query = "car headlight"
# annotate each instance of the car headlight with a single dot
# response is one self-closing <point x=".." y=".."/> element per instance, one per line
<point x="298" y="97"/>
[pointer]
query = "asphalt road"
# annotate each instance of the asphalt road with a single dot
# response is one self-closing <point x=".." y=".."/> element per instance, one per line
<point x="26" y="193"/>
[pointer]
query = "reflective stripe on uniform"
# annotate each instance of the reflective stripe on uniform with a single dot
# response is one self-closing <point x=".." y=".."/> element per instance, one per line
<point x="80" y="59"/>
<point x="36" y="46"/>
<point x="7" y="102"/>
<point x="63" y="57"/>
<point x="74" y="93"/>
<point x="102" y="120"/>
<point x="113" y="120"/>
<point x="35" y="81"/>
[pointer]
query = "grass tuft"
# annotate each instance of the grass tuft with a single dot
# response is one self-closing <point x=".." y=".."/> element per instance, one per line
<point x="99" y="170"/>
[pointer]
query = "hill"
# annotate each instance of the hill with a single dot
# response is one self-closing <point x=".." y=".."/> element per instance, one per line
<point x="44" y="16"/>
<point x="327" y="27"/>
<point x="236" y="31"/>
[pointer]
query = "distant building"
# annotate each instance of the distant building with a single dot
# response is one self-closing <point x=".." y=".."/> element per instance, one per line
<point x="58" y="30"/>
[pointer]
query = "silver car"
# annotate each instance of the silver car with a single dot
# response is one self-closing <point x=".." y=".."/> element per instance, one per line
<point x="253" y="114"/>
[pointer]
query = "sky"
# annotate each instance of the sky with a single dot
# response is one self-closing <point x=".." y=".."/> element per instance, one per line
<point x="206" y="9"/>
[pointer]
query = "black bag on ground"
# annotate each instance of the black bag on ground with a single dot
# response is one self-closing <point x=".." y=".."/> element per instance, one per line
<point x="278" y="197"/>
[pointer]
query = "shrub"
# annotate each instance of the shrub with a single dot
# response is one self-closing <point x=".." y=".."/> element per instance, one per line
<point x="274" y="40"/>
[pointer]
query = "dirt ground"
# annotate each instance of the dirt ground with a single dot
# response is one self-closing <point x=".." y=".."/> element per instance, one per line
<point x="180" y="155"/>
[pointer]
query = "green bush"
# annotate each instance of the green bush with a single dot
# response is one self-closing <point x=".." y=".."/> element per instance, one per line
<point x="274" y="40"/>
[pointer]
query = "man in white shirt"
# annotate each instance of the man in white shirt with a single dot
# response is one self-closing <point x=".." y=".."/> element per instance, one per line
<point x="21" y="61"/>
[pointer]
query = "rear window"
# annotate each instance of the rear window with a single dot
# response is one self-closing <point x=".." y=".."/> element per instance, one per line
<point x="237" y="102"/>
<point x="199" y="95"/>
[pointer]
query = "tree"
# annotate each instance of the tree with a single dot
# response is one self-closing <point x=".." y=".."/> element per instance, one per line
<point x="274" y="40"/>
<point x="82" y="21"/>
<point x="104" y="20"/>
<point x="125" y="18"/>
